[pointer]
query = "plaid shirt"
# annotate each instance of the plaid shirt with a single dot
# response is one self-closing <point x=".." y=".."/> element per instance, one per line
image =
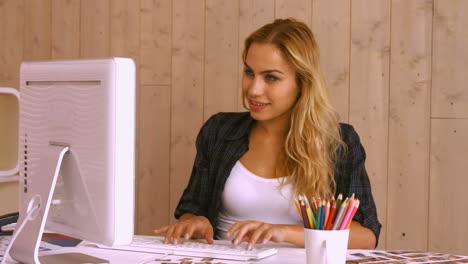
<point x="224" y="139"/>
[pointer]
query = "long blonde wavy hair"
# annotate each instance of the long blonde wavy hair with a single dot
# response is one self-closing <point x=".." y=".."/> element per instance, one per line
<point x="313" y="140"/>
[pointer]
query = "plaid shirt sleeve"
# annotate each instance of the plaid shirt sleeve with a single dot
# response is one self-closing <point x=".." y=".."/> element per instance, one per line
<point x="351" y="177"/>
<point x="195" y="199"/>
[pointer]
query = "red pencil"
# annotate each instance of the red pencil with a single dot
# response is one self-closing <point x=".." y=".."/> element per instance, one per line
<point x="331" y="215"/>
<point x="314" y="205"/>
<point x="327" y="214"/>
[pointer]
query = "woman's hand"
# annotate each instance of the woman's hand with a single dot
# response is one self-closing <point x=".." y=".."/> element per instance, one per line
<point x="189" y="226"/>
<point x="254" y="232"/>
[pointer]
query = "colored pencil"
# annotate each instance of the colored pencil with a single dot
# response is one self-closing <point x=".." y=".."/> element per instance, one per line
<point x="309" y="216"/>
<point x="314" y="203"/>
<point x="319" y="214"/>
<point x="351" y="199"/>
<point x="331" y="215"/>
<point x="305" y="219"/>
<point x="339" y="201"/>
<point x="346" y="218"/>
<point x="306" y="200"/>
<point x="327" y="214"/>
<point x="308" y="211"/>
<point x="298" y="206"/>
<point x="322" y="216"/>
<point x="339" y="216"/>
<point x="353" y="213"/>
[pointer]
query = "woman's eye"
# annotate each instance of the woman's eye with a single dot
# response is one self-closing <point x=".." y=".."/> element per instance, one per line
<point x="270" y="77"/>
<point x="248" y="72"/>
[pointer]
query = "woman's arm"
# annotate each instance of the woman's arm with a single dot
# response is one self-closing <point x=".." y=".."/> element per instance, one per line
<point x="351" y="178"/>
<point x="361" y="237"/>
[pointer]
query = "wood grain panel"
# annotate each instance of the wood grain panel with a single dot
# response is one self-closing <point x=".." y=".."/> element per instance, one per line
<point x="408" y="174"/>
<point x="331" y="27"/>
<point x="125" y="29"/>
<point x="369" y="88"/>
<point x="37" y="34"/>
<point x="65" y="29"/>
<point x="221" y="56"/>
<point x="153" y="180"/>
<point x="9" y="193"/>
<point x="187" y="92"/>
<point x="450" y="59"/>
<point x="152" y="193"/>
<point x="95" y="29"/>
<point x="252" y="16"/>
<point x="155" y="42"/>
<point x="299" y="9"/>
<point x="447" y="201"/>
<point x="9" y="123"/>
<point x="11" y="55"/>
<point x="11" y="35"/>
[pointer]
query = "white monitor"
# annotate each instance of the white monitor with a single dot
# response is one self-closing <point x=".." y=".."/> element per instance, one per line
<point x="77" y="145"/>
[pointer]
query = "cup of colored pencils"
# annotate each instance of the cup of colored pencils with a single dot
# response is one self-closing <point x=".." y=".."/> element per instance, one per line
<point x="326" y="227"/>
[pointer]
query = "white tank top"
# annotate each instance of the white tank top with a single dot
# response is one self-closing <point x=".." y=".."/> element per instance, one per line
<point x="247" y="196"/>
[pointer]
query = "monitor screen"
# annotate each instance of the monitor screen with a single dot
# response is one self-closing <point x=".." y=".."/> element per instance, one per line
<point x="77" y="151"/>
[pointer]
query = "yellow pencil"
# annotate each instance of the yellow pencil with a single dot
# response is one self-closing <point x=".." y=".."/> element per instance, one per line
<point x="309" y="216"/>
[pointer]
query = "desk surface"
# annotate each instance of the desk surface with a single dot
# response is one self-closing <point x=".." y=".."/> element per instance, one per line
<point x="286" y="254"/>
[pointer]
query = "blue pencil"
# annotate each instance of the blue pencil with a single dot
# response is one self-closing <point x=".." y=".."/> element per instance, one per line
<point x="322" y="215"/>
<point x="319" y="215"/>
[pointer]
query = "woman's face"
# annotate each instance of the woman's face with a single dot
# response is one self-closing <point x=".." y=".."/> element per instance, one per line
<point x="268" y="83"/>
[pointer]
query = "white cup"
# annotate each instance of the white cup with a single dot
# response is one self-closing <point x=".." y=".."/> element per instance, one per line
<point x="326" y="246"/>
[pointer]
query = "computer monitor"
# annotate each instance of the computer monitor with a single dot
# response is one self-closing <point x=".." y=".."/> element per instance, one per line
<point x="77" y="145"/>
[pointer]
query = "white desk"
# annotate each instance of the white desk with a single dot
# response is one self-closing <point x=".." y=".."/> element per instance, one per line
<point x="287" y="254"/>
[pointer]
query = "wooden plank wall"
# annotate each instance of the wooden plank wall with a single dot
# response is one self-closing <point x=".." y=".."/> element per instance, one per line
<point x="397" y="71"/>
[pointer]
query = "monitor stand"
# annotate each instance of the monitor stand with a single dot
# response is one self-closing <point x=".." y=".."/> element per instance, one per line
<point x="24" y="245"/>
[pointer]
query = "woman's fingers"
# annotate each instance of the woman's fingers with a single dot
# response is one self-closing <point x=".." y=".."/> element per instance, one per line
<point x="241" y="229"/>
<point x="161" y="230"/>
<point x="185" y="229"/>
<point x="254" y="232"/>
<point x="169" y="233"/>
<point x="209" y="235"/>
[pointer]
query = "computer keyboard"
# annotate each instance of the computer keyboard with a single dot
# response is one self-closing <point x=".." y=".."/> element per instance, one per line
<point x="196" y="248"/>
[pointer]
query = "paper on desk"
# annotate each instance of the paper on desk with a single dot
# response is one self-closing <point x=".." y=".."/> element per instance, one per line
<point x="402" y="257"/>
<point x="145" y="258"/>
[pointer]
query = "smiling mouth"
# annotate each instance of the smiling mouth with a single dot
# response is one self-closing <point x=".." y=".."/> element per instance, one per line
<point x="256" y="106"/>
<point x="257" y="103"/>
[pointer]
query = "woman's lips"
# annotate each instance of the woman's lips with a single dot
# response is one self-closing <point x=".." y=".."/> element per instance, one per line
<point x="257" y="106"/>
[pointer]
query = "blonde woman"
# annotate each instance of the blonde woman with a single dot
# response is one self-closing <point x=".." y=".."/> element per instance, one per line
<point x="249" y="166"/>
